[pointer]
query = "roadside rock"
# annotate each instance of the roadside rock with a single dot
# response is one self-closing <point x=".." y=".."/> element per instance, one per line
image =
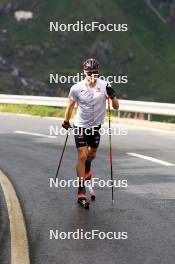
<point x="23" y="15"/>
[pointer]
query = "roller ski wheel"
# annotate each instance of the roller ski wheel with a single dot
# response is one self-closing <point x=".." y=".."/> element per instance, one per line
<point x="83" y="202"/>
<point x="93" y="197"/>
<point x="82" y="199"/>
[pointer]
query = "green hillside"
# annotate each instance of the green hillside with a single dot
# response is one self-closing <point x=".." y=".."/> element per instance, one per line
<point x="146" y="53"/>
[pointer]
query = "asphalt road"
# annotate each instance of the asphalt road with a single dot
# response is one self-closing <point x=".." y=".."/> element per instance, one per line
<point x="145" y="210"/>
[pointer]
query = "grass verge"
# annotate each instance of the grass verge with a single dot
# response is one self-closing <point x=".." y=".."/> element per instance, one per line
<point x="37" y="110"/>
<point x="49" y="111"/>
<point x="33" y="110"/>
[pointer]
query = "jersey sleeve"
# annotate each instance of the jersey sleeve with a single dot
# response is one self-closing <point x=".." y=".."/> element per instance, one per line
<point x="73" y="94"/>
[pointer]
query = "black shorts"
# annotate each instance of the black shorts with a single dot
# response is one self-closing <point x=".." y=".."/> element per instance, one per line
<point x="87" y="137"/>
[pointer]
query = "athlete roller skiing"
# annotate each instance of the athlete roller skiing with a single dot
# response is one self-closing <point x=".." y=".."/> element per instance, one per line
<point x="90" y="95"/>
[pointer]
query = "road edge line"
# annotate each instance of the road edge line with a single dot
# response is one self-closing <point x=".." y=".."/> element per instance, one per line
<point x="19" y="241"/>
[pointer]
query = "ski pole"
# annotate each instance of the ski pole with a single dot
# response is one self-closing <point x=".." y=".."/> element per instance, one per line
<point x="110" y="148"/>
<point x="59" y="165"/>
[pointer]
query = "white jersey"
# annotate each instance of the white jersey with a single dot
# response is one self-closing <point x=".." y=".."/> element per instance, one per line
<point x="91" y="103"/>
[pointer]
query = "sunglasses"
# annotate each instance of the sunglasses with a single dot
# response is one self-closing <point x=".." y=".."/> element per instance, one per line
<point x="94" y="73"/>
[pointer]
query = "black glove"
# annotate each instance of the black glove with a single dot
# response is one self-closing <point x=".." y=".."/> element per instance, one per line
<point x="110" y="91"/>
<point x="66" y="125"/>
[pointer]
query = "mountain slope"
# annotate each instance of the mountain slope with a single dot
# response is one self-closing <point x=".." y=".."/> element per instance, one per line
<point x="146" y="53"/>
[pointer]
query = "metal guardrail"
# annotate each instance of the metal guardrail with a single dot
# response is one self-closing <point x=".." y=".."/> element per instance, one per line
<point x="33" y="100"/>
<point x="125" y="105"/>
<point x="148" y="107"/>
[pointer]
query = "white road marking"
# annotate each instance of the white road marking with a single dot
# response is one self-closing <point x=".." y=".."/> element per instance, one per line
<point x="162" y="131"/>
<point x="33" y="134"/>
<point x="162" y="162"/>
<point x="19" y="242"/>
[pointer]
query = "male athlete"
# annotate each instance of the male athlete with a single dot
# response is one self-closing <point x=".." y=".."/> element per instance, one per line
<point x="90" y="96"/>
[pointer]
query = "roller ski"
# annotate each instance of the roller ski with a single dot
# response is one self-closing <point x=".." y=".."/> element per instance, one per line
<point x="82" y="199"/>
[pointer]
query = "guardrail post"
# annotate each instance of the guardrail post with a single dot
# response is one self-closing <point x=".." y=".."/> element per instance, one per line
<point x="149" y="117"/>
<point x="119" y="114"/>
